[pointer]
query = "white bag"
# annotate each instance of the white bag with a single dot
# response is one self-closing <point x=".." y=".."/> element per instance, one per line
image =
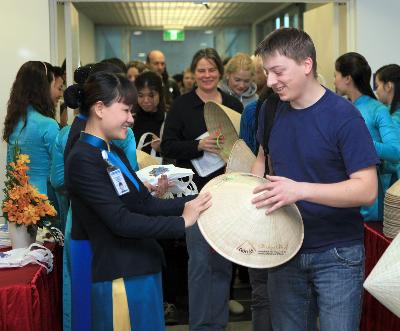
<point x="20" y="257"/>
<point x="152" y="173"/>
<point x="141" y="144"/>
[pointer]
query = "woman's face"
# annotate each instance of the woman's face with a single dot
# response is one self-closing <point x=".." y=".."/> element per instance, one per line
<point x="148" y="99"/>
<point x="188" y="80"/>
<point x="240" y="81"/>
<point x="116" y="119"/>
<point x="132" y="73"/>
<point x="206" y="75"/>
<point x="56" y="90"/>
<point x="340" y="83"/>
<point x="383" y="91"/>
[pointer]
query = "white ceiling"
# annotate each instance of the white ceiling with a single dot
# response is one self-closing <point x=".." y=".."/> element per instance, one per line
<point x="155" y="15"/>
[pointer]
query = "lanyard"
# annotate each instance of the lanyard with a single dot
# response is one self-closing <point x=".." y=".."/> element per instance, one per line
<point x="112" y="157"/>
<point x="81" y="117"/>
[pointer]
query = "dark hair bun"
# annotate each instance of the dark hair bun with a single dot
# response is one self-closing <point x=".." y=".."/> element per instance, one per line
<point x="73" y="96"/>
<point x="82" y="73"/>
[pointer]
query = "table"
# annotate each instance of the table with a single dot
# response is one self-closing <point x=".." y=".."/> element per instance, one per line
<point x="375" y="316"/>
<point x="30" y="299"/>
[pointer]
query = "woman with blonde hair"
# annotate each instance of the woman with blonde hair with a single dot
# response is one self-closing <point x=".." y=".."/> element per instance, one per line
<point x="239" y="79"/>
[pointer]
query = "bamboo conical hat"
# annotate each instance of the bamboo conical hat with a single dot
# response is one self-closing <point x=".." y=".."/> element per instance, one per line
<point x="394" y="189"/>
<point x="384" y="280"/>
<point x="144" y="159"/>
<point x="243" y="234"/>
<point x="241" y="158"/>
<point x="224" y="120"/>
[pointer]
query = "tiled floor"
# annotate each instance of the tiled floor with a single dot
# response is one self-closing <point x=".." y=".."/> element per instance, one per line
<point x="240" y="322"/>
<point x="233" y="326"/>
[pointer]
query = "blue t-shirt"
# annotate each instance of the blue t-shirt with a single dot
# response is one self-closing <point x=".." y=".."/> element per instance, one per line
<point x="324" y="143"/>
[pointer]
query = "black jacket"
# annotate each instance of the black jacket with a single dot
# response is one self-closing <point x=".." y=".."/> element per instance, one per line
<point x="121" y="230"/>
<point x="184" y="123"/>
<point x="147" y="122"/>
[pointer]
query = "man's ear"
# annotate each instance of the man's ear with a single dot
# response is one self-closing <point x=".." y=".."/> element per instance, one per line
<point x="308" y="65"/>
<point x="98" y="108"/>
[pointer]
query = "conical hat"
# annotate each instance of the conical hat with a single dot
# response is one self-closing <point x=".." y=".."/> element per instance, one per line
<point x="225" y="120"/>
<point x="384" y="280"/>
<point x="144" y="160"/>
<point x="241" y="158"/>
<point x="243" y="234"/>
<point x="394" y="189"/>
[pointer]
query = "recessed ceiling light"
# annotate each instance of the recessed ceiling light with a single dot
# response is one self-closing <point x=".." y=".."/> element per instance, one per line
<point x="137" y="33"/>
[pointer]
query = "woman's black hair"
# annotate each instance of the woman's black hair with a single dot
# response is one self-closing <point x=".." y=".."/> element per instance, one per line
<point x="30" y="88"/>
<point x="101" y="86"/>
<point x="209" y="54"/>
<point x="117" y="62"/>
<point x="153" y="82"/>
<point x="391" y="73"/>
<point x="356" y="66"/>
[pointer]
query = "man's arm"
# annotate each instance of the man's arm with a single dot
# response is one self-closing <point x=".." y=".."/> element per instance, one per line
<point x="359" y="190"/>
<point x="258" y="168"/>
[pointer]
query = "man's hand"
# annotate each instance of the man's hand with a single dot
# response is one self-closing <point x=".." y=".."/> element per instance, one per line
<point x="278" y="192"/>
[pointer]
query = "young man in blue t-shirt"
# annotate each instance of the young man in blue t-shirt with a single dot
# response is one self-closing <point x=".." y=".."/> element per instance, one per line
<point x="323" y="159"/>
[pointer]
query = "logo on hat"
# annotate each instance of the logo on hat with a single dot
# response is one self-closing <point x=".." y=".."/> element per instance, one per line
<point x="246" y="248"/>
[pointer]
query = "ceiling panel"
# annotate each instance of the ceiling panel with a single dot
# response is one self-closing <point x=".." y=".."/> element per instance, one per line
<point x="174" y="14"/>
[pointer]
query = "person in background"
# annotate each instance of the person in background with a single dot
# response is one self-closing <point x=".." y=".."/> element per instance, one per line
<point x="387" y="82"/>
<point x="353" y="78"/>
<point x="239" y="79"/>
<point x="57" y="85"/>
<point x="121" y="224"/>
<point x="324" y="160"/>
<point x="178" y="80"/>
<point x="209" y="273"/>
<point x="150" y="112"/>
<point x="29" y="122"/>
<point x="117" y="62"/>
<point x="260" y="78"/>
<point x="187" y="81"/>
<point x="156" y="62"/>
<point x="134" y="69"/>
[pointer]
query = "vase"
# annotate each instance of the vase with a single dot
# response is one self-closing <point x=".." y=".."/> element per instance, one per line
<point x="19" y="236"/>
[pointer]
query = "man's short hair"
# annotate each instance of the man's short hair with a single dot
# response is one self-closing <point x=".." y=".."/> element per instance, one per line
<point x="290" y="42"/>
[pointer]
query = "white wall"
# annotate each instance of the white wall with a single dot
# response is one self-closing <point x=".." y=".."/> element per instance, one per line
<point x="377" y="28"/>
<point x="86" y="40"/>
<point x="322" y="24"/>
<point x="24" y="34"/>
<point x="86" y="37"/>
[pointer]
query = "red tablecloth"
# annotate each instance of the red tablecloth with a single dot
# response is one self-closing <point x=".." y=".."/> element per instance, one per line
<point x="375" y="316"/>
<point x="30" y="299"/>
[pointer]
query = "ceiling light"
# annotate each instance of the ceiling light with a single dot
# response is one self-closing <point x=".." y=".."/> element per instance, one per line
<point x="137" y="33"/>
<point x="209" y="32"/>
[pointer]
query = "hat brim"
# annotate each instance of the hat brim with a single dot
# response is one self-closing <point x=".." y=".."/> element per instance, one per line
<point x="217" y="120"/>
<point x="241" y="158"/>
<point x="243" y="234"/>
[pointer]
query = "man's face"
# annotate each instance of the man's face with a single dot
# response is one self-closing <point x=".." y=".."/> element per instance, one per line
<point x="157" y="62"/>
<point x="286" y="77"/>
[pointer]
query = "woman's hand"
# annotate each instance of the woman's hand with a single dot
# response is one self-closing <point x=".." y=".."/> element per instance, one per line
<point x="161" y="188"/>
<point x="195" y="207"/>
<point x="212" y="143"/>
<point x="156" y="143"/>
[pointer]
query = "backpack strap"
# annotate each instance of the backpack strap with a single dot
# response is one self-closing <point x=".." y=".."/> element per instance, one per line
<point x="269" y="106"/>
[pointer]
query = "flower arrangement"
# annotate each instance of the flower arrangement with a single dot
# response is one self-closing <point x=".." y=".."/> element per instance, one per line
<point x="23" y="204"/>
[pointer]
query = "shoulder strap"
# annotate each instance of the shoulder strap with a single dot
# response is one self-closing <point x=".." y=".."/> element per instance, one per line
<point x="271" y="104"/>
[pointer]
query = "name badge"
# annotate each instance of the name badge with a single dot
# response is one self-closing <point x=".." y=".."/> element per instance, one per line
<point x="118" y="181"/>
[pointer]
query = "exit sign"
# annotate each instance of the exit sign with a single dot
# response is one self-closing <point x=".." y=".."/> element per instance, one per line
<point x="174" y="35"/>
